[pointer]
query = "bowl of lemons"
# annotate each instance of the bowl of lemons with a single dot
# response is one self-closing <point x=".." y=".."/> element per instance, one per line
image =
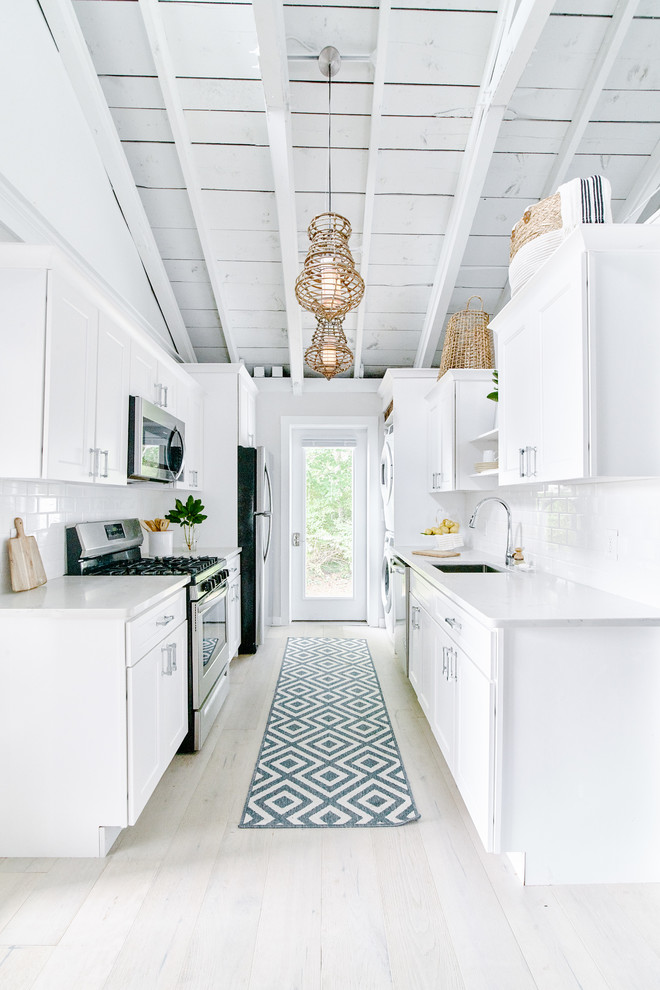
<point x="445" y="534"/>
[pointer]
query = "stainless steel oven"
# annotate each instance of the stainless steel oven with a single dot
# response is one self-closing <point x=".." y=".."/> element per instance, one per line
<point x="156" y="442"/>
<point x="209" y="652"/>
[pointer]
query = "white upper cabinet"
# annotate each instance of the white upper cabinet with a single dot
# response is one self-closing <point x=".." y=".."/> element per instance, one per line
<point x="190" y="408"/>
<point x="578" y="362"/>
<point x="87" y="363"/>
<point x="71" y="358"/>
<point x="247" y="392"/>
<point x="459" y="412"/>
<point x="155" y="380"/>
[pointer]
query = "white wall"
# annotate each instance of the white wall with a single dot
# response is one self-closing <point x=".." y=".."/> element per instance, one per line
<point x="275" y="400"/>
<point x="47" y="507"/>
<point x="48" y="155"/>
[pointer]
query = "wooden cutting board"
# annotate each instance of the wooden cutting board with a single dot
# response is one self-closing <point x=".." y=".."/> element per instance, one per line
<point x="25" y="564"/>
<point x="437" y="553"/>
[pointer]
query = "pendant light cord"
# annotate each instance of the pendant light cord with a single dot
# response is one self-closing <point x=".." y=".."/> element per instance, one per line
<point x="329" y="138"/>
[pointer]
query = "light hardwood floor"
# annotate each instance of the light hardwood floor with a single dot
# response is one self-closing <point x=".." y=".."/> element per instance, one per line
<point x="186" y="899"/>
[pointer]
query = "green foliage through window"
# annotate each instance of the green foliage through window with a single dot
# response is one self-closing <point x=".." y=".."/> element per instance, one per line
<point x="329" y="521"/>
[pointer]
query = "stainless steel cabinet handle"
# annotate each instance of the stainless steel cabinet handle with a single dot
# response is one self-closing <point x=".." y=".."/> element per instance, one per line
<point x="165" y="388"/>
<point x="194" y="478"/>
<point x="165" y="620"/>
<point x="104" y="453"/>
<point x="521" y="461"/>
<point x="167" y="670"/>
<point x="172" y="648"/>
<point x="531" y="450"/>
<point x="415" y="610"/>
<point x="454" y="623"/>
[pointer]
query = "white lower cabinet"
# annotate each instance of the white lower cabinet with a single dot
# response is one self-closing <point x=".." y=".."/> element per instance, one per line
<point x="550" y="731"/>
<point x="157" y="700"/>
<point x="451" y="668"/>
<point x="92" y="710"/>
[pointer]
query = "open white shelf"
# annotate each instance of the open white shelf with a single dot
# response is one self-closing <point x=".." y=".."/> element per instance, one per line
<point x="489" y="435"/>
<point x="485" y="474"/>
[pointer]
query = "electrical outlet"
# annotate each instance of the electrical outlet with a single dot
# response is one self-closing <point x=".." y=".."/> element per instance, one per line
<point x="612" y="545"/>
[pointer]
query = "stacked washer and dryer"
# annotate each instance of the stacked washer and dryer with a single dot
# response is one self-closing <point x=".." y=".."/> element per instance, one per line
<point x="394" y="574"/>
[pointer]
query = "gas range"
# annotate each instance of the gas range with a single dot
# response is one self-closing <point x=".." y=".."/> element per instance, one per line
<point x="104" y="548"/>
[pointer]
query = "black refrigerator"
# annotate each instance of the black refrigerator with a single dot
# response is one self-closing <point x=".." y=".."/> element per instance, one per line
<point x="255" y="523"/>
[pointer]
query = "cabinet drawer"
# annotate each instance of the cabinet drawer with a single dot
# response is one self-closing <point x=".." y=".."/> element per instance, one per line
<point x="149" y="628"/>
<point x="465" y="631"/>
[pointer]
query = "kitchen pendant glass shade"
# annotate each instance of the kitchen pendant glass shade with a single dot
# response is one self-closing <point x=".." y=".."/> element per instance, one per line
<point x="329" y="353"/>
<point x="329" y="285"/>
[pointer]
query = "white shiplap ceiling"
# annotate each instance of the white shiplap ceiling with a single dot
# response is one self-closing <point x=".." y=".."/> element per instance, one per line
<point x="448" y="120"/>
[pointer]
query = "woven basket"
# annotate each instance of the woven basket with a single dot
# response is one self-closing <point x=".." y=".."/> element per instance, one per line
<point x="538" y="219"/>
<point x="468" y="340"/>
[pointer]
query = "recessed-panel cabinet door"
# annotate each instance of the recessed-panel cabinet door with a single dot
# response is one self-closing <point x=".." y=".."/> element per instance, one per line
<point x="143" y="688"/>
<point x="474" y="764"/>
<point x="444" y="700"/>
<point x="563" y="394"/>
<point x="518" y="398"/>
<point x="173" y="693"/>
<point x="112" y="402"/>
<point x="72" y="336"/>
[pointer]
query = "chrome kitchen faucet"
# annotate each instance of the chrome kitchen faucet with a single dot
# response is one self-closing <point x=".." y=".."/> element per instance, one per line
<point x="508" y="560"/>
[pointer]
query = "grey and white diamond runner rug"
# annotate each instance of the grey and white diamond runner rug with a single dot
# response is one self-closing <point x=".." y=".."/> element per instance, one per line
<point x="328" y="756"/>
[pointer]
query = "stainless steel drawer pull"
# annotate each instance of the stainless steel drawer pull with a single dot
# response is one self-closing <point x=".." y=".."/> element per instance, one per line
<point x="165" y="620"/>
<point x="454" y="623"/>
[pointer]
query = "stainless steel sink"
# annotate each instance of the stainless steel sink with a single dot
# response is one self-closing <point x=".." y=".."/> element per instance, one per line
<point x="468" y="569"/>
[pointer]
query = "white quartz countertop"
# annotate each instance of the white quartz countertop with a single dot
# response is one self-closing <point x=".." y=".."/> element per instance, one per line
<point x="102" y="597"/>
<point x="527" y="597"/>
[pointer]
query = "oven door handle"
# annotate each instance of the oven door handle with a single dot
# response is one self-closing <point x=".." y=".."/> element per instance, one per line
<point x="202" y="604"/>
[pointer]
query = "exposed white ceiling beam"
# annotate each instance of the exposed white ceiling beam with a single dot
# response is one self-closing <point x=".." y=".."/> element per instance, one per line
<point x="64" y="27"/>
<point x="160" y="52"/>
<point x="375" y="129"/>
<point x="646" y="186"/>
<point x="517" y="31"/>
<point x="269" y="18"/>
<point x="593" y="88"/>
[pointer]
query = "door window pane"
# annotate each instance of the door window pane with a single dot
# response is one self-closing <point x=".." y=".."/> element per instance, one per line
<point x="328" y="522"/>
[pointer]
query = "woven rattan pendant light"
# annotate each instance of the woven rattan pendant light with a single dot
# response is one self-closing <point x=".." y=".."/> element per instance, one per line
<point x="329" y="354"/>
<point x="329" y="285"/>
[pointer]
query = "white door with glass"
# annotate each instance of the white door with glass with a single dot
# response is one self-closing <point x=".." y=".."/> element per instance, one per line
<point x="328" y="543"/>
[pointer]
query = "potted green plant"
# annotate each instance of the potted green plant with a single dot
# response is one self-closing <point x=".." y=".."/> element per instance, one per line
<point x="188" y="514"/>
<point x="494" y="395"/>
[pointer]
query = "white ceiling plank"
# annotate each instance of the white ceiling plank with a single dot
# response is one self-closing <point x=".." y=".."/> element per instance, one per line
<point x="73" y="49"/>
<point x="514" y="39"/>
<point x="644" y="188"/>
<point x="269" y="18"/>
<point x="150" y="12"/>
<point x="375" y="140"/>
<point x="600" y="70"/>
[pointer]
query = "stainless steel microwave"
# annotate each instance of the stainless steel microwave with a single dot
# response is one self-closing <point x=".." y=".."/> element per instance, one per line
<point x="156" y="442"/>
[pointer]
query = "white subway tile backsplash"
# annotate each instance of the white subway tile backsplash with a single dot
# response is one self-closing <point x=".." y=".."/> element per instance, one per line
<point x="48" y="507"/>
<point x="563" y="528"/>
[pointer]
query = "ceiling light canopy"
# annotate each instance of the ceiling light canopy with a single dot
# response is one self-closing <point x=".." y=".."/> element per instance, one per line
<point x="329" y="284"/>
